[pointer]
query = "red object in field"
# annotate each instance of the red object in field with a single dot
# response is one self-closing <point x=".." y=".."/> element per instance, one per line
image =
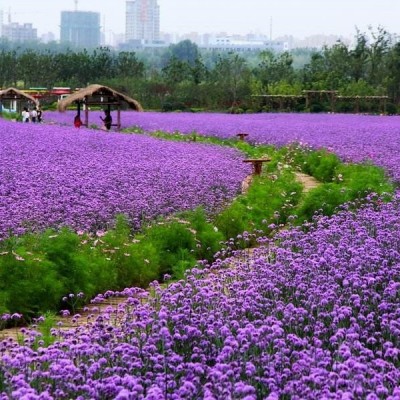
<point x="77" y="121"/>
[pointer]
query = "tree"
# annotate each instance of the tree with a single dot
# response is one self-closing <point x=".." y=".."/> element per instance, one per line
<point x="8" y="68"/>
<point x="377" y="51"/>
<point x="185" y="51"/>
<point x="273" y="69"/>
<point x="232" y="78"/>
<point x="393" y="73"/>
<point x="102" y="64"/>
<point x="127" y="65"/>
<point x="30" y="69"/>
<point x="176" y="71"/>
<point x="314" y="73"/>
<point x="359" y="57"/>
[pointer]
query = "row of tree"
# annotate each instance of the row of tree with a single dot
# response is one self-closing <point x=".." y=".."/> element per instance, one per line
<point x="182" y="76"/>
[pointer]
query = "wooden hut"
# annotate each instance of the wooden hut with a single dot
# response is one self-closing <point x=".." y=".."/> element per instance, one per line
<point x="98" y="95"/>
<point x="17" y="99"/>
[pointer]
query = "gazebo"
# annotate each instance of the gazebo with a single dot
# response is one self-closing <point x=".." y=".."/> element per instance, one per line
<point x="98" y="95"/>
<point x="16" y="98"/>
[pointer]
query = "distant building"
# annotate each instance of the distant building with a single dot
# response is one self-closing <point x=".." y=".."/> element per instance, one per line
<point x="80" y="28"/>
<point x="142" y="21"/>
<point x="15" y="32"/>
<point x="227" y="43"/>
<point x="47" y="37"/>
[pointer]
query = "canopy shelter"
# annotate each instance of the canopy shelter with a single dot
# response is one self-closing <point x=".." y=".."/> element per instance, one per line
<point x="17" y="99"/>
<point x="98" y="95"/>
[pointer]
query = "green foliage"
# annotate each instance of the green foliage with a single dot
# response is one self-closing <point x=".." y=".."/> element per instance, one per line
<point x="391" y="109"/>
<point x="363" y="178"/>
<point x="12" y="116"/>
<point x="174" y="240"/>
<point x="321" y="165"/>
<point x="45" y="324"/>
<point x="232" y="221"/>
<point x="235" y="110"/>
<point x="207" y="237"/>
<point x="270" y="200"/>
<point x="350" y="182"/>
<point x="215" y="80"/>
<point x="322" y="200"/>
<point x="173" y="105"/>
<point x="62" y="249"/>
<point x="131" y="261"/>
<point x="29" y="283"/>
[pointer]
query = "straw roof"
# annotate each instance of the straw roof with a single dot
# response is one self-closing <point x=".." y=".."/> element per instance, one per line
<point x="15" y="94"/>
<point x="97" y="90"/>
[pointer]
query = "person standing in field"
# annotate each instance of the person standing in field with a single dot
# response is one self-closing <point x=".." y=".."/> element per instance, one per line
<point x="77" y="121"/>
<point x="39" y="114"/>
<point x="25" y="115"/>
<point x="107" y="120"/>
<point x="33" y="114"/>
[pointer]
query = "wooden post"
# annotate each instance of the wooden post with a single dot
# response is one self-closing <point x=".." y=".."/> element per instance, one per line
<point x="118" y="118"/>
<point x="242" y="136"/>
<point x="257" y="164"/>
<point x="86" y="114"/>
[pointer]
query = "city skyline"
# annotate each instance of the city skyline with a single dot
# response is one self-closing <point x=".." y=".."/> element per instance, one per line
<point x="288" y="17"/>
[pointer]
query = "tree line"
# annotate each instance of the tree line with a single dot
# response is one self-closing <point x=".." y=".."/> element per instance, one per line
<point x="184" y="77"/>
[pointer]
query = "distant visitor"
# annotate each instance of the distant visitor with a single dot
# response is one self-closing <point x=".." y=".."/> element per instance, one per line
<point x="25" y="115"/>
<point x="107" y="120"/>
<point x="77" y="121"/>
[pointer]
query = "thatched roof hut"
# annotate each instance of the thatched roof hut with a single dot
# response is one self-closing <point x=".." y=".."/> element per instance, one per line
<point x="17" y="98"/>
<point x="98" y="95"/>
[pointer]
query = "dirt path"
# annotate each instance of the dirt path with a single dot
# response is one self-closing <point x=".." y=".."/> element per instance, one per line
<point x="308" y="182"/>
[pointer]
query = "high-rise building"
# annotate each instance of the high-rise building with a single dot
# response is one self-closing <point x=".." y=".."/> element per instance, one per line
<point x="142" y="20"/>
<point x="16" y="32"/>
<point x="80" y="28"/>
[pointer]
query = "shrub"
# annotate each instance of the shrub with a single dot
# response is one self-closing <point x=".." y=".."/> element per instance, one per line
<point x="317" y="108"/>
<point x="269" y="200"/>
<point x="363" y="178"/>
<point x="391" y="109"/>
<point x="170" y="239"/>
<point x="321" y="165"/>
<point x="233" y="220"/>
<point x="29" y="283"/>
<point x="207" y="236"/>
<point x="12" y="116"/>
<point x="323" y="199"/>
<point x="62" y="249"/>
<point x="235" y="110"/>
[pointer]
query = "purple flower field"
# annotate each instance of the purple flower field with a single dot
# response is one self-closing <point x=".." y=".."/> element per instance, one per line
<point x="52" y="176"/>
<point x="311" y="314"/>
<point x="352" y="137"/>
<point x="315" y="316"/>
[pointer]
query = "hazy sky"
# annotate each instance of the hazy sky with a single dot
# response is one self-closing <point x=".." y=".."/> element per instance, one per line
<point x="299" y="18"/>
